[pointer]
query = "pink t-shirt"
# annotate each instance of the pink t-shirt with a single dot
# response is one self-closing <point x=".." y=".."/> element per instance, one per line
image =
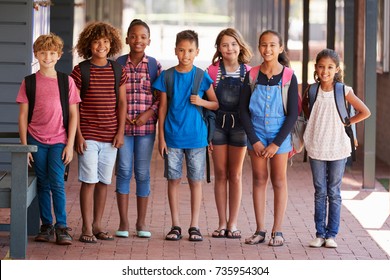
<point x="46" y="125"/>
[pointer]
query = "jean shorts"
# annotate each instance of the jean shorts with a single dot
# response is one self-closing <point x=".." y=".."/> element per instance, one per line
<point x="195" y="163"/>
<point x="97" y="162"/>
<point x="266" y="141"/>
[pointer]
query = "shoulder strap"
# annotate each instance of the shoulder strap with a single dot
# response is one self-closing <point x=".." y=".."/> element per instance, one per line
<point x="253" y="74"/>
<point x="213" y="72"/>
<point x="117" y="68"/>
<point x="122" y="59"/>
<point x="286" y="81"/>
<point x="63" y="85"/>
<point x="341" y="103"/>
<point x="85" y="72"/>
<point x="152" y="68"/>
<point x="169" y="79"/>
<point x="30" y="84"/>
<point x="312" y="94"/>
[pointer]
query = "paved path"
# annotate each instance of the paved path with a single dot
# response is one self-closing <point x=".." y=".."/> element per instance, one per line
<point x="364" y="230"/>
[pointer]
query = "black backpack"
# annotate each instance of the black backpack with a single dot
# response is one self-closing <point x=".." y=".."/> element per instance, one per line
<point x="63" y="85"/>
<point x="85" y="73"/>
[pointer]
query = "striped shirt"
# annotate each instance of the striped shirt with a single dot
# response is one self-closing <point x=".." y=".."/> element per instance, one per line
<point x="98" y="114"/>
<point x="140" y="97"/>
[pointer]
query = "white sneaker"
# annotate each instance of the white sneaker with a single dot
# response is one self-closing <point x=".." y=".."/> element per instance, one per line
<point x="330" y="243"/>
<point x="317" y="242"/>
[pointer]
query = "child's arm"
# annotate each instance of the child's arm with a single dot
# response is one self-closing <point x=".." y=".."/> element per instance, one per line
<point x="23" y="124"/>
<point x="122" y="114"/>
<point x="162" y="113"/>
<point x="211" y="103"/>
<point x="67" y="154"/>
<point x="362" y="110"/>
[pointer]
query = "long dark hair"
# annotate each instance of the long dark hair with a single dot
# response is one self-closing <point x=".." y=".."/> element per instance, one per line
<point x="282" y="58"/>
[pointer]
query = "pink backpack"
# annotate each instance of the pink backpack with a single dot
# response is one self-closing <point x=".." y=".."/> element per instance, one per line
<point x="213" y="72"/>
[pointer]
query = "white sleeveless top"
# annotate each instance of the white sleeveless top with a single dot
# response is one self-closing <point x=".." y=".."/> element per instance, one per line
<point x="325" y="137"/>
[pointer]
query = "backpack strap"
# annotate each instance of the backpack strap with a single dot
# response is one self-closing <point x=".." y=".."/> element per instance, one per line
<point x="341" y="103"/>
<point x="63" y="85"/>
<point x="86" y="71"/>
<point x="122" y="59"/>
<point x="152" y="68"/>
<point x="312" y="94"/>
<point x="169" y="79"/>
<point x="286" y="81"/>
<point x="199" y="73"/>
<point x="213" y="72"/>
<point x="30" y="84"/>
<point x="253" y="74"/>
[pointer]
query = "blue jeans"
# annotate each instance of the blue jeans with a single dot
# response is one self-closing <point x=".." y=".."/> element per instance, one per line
<point x="136" y="150"/>
<point x="327" y="179"/>
<point x="49" y="169"/>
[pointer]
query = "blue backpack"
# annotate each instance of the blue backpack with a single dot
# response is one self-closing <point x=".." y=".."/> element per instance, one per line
<point x="344" y="109"/>
<point x="152" y="66"/>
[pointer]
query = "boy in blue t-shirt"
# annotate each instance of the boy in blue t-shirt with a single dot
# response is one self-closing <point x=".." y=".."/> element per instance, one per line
<point x="182" y="131"/>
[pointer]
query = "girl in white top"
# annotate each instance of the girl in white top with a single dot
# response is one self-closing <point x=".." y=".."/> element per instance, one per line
<point x="328" y="146"/>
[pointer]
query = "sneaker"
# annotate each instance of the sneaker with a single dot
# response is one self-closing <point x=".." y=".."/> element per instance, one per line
<point x="330" y="243"/>
<point x="317" y="242"/>
<point x="46" y="233"/>
<point x="63" y="237"/>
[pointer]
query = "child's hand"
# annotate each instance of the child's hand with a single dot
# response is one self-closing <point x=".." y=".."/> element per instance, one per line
<point x="30" y="159"/>
<point x="162" y="148"/>
<point x="80" y="145"/>
<point x="210" y="147"/>
<point x="67" y="155"/>
<point x="258" y="148"/>
<point x="141" y="119"/>
<point x="196" y="100"/>
<point x="270" y="151"/>
<point x="118" y="140"/>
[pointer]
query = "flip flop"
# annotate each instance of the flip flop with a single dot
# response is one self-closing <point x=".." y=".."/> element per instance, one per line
<point x="144" y="234"/>
<point x="276" y="236"/>
<point x="103" y="236"/>
<point x="87" y="238"/>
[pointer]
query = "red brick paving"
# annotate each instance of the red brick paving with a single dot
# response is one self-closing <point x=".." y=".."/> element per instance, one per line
<point x="355" y="243"/>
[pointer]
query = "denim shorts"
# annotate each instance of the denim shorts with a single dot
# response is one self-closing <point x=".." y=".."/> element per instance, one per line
<point x="284" y="148"/>
<point x="233" y="137"/>
<point x="97" y="162"/>
<point x="195" y="163"/>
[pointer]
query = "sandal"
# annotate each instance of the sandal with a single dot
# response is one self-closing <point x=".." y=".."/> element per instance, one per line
<point x="87" y="238"/>
<point x="219" y="233"/>
<point x="103" y="236"/>
<point x="195" y="234"/>
<point x="176" y="231"/>
<point x="277" y="239"/>
<point x="233" y="234"/>
<point x="256" y="238"/>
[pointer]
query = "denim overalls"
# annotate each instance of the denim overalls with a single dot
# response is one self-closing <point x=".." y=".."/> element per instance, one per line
<point x="229" y="129"/>
<point x="267" y="114"/>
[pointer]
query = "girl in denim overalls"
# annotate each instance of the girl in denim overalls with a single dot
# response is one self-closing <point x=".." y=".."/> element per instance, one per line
<point x="268" y="129"/>
<point x="229" y="142"/>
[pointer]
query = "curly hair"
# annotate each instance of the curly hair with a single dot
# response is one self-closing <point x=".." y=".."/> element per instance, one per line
<point x="328" y="53"/>
<point x="97" y="30"/>
<point x="245" y="54"/>
<point x="49" y="42"/>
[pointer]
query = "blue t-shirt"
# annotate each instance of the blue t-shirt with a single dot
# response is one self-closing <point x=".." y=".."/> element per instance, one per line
<point x="184" y="127"/>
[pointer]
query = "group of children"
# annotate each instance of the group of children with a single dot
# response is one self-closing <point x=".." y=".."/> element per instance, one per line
<point x="122" y="104"/>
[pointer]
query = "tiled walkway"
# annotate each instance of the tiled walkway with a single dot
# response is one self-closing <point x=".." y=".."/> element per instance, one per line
<point x="364" y="230"/>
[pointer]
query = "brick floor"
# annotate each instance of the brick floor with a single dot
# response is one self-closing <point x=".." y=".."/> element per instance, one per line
<point x="356" y="241"/>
